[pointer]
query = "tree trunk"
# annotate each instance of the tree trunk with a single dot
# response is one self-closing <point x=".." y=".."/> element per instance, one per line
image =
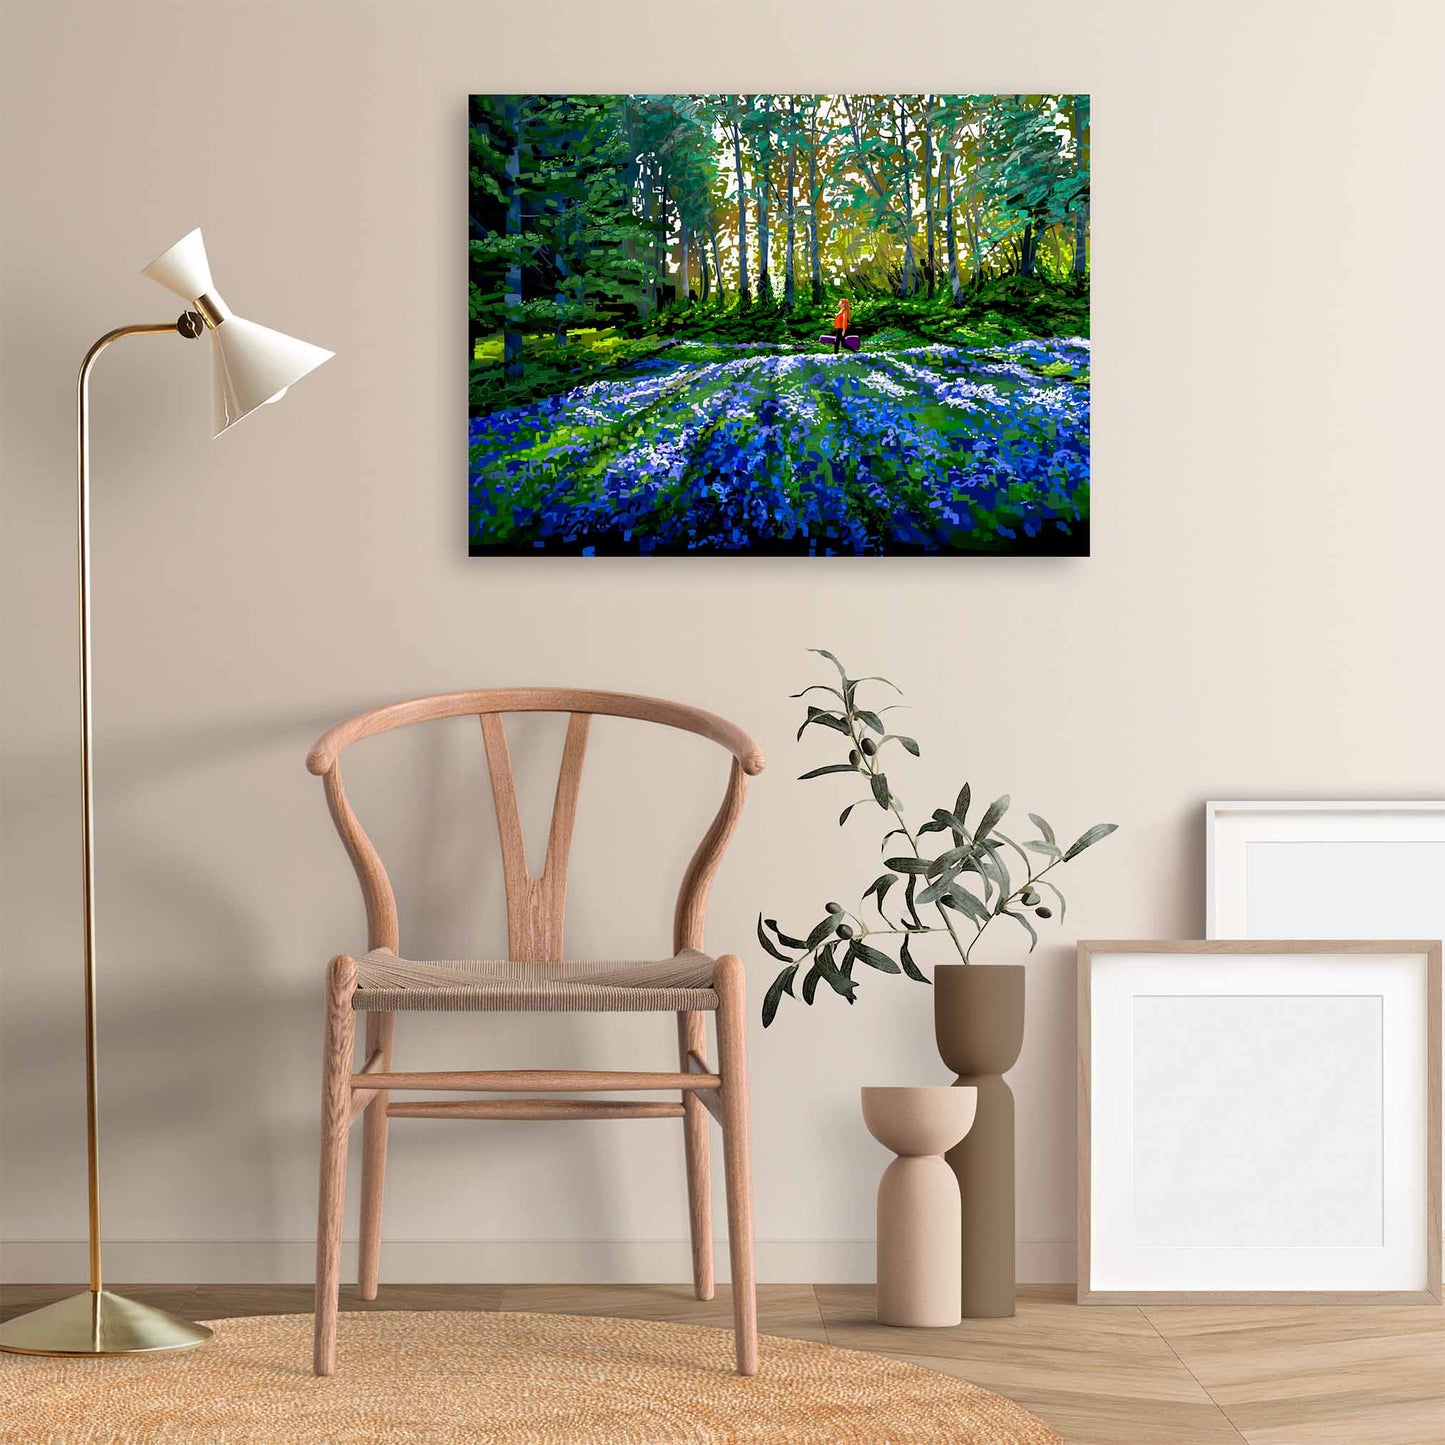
<point x="744" y="293"/>
<point x="564" y="272"/>
<point x="909" y="266"/>
<point x="722" y="293"/>
<point x="789" y="283"/>
<point x="511" y="336"/>
<point x="1081" y="207"/>
<point x="928" y="189"/>
<point x="814" y="196"/>
<point x="649" y="291"/>
<point x="685" y="264"/>
<point x="705" y="274"/>
<point x="1026" y="258"/>
<point x="949" y="226"/>
<point x="765" y="159"/>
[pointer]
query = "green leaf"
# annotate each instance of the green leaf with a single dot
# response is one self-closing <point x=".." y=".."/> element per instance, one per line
<point x="992" y="814"/>
<point x="816" y="687"/>
<point x="880" y="789"/>
<point x="907" y="865"/>
<point x="768" y="944"/>
<point x="960" y="808"/>
<point x="825" y="719"/>
<point x="783" y="937"/>
<point x="843" y="816"/>
<point x="969" y="905"/>
<point x="909" y="967"/>
<point x="782" y="984"/>
<point x="938" y="887"/>
<point x="949" y="859"/>
<point x="908" y="898"/>
<point x="1043" y="828"/>
<point x="952" y="822"/>
<point x="823" y="652"/>
<point x="1024" y="924"/>
<point x="810" y="983"/>
<point x="1088" y="838"/>
<point x="831" y="768"/>
<point x="838" y="981"/>
<point x="869" y="719"/>
<point x="822" y="931"/>
<point x="1049" y="850"/>
<point x="1044" y="883"/>
<point x="909" y="745"/>
<point x="880" y="886"/>
<point x="1004" y="838"/>
<point x="872" y="957"/>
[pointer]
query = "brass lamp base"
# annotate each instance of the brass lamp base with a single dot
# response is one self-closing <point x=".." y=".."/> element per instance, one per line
<point x="99" y="1324"/>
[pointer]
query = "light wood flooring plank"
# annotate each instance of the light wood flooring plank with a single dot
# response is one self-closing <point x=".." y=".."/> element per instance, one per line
<point x="1295" y="1376"/>
<point x="1097" y="1375"/>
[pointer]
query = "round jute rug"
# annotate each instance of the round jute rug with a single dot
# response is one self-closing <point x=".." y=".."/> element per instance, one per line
<point x="444" y="1376"/>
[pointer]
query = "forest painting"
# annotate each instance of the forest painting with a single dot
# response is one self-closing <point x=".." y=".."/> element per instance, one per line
<point x="810" y="325"/>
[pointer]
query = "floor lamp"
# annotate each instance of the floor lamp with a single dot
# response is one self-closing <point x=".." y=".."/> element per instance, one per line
<point x="250" y="365"/>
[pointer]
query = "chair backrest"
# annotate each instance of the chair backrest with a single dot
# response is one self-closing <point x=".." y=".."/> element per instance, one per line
<point x="535" y="905"/>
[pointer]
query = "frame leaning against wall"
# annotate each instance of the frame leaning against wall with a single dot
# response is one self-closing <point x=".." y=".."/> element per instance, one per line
<point x="1113" y="1268"/>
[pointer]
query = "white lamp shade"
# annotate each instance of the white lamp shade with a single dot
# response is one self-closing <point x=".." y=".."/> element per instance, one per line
<point x="250" y="364"/>
<point x="184" y="269"/>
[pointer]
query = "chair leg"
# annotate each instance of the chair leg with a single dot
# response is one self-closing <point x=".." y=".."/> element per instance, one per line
<point x="732" y="1042"/>
<point x="335" y="1115"/>
<point x="380" y="1028"/>
<point x="692" y="1039"/>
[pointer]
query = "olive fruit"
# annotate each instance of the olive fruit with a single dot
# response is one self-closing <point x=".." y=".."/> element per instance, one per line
<point x="845" y="930"/>
<point x="1044" y="912"/>
<point x="1030" y="897"/>
<point x="855" y="757"/>
<point x="869" y="747"/>
<point x="833" y="907"/>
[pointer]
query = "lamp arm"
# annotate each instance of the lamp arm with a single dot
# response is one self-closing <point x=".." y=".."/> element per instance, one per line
<point x="189" y="325"/>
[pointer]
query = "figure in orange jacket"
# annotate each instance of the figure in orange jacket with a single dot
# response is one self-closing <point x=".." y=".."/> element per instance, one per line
<point x="840" y="323"/>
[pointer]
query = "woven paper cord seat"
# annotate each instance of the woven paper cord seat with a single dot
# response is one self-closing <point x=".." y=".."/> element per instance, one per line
<point x="677" y="984"/>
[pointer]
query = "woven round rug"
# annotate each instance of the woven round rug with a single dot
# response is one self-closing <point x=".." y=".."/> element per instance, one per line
<point x="405" y="1376"/>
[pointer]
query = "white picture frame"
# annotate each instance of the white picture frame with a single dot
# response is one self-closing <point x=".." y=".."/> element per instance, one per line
<point x="1259" y="1122"/>
<point x="1336" y="869"/>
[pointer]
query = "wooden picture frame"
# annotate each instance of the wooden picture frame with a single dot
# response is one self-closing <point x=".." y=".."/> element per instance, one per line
<point x="1350" y="978"/>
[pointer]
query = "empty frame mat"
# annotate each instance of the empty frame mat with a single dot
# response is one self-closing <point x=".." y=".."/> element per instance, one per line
<point x="1259" y="1120"/>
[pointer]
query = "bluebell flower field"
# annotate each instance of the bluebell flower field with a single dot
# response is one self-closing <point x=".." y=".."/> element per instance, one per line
<point x="788" y="325"/>
<point x="759" y="449"/>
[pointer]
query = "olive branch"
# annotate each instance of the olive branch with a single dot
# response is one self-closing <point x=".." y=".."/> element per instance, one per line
<point x="967" y="885"/>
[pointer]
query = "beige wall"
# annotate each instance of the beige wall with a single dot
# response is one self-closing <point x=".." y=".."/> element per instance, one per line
<point x="1260" y="615"/>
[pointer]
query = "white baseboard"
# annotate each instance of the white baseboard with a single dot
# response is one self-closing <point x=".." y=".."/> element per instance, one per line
<point x="429" y="1261"/>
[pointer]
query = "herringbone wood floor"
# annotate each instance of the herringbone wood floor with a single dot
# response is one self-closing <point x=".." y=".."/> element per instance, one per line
<point x="1101" y="1376"/>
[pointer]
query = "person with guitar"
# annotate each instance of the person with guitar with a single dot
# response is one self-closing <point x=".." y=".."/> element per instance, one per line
<point x="841" y="322"/>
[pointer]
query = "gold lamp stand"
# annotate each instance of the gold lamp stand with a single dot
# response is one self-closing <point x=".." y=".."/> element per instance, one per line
<point x="97" y="1322"/>
<point x="251" y="365"/>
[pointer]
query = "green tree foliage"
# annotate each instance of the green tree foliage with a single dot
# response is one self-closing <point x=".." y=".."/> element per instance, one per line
<point x="607" y="215"/>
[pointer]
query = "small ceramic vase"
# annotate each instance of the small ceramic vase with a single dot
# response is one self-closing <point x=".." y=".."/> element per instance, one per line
<point x="919" y="1231"/>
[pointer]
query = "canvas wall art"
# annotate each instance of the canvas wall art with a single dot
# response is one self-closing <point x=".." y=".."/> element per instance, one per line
<point x="809" y="325"/>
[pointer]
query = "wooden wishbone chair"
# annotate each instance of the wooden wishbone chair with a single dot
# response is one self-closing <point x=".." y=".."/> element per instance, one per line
<point x="533" y="977"/>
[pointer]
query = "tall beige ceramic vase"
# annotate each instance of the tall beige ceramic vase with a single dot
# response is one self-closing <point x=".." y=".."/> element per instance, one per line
<point x="978" y="1014"/>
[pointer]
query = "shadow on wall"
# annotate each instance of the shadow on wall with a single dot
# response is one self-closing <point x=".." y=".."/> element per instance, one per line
<point x="204" y="1013"/>
<point x="175" y="1057"/>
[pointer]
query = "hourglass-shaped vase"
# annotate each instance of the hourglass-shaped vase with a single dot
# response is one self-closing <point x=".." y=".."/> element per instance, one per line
<point x="919" y="1221"/>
